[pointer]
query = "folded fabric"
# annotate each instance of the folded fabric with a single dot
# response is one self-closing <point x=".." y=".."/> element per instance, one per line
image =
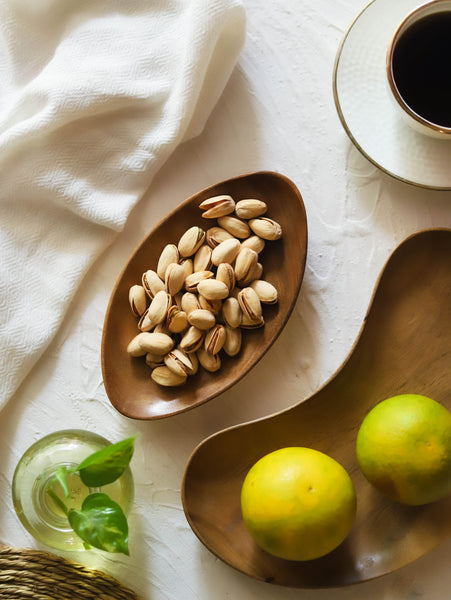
<point x="94" y="97"/>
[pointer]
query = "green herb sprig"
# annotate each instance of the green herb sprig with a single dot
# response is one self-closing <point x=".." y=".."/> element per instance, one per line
<point x="101" y="522"/>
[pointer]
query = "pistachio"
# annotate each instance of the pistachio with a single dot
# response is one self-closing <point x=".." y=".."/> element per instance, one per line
<point x="232" y="344"/>
<point x="145" y="323"/>
<point x="231" y="312"/>
<point x="237" y="227"/>
<point x="254" y="242"/>
<point x="266" y="228"/>
<point x="174" y="278"/>
<point x="154" y="360"/>
<point x="250" y="208"/>
<point x="226" y="274"/>
<point x="161" y="328"/>
<point x="152" y="283"/>
<point x="215" y="338"/>
<point x="191" y="241"/>
<point x="216" y="235"/>
<point x="210" y="362"/>
<point x="192" y="281"/>
<point x="192" y="339"/>
<point x="194" y="363"/>
<point x="212" y="305"/>
<point x="254" y="273"/>
<point x="250" y="304"/>
<point x="212" y="289"/>
<point x="189" y="303"/>
<point x="225" y="252"/>
<point x="247" y="323"/>
<point x="217" y="206"/>
<point x="156" y="343"/>
<point x="202" y="319"/>
<point x="179" y="362"/>
<point x="167" y="378"/>
<point x="202" y="258"/>
<point x="245" y="262"/>
<point x="134" y="347"/>
<point x="266" y="292"/>
<point x="138" y="299"/>
<point x="159" y="307"/>
<point x="188" y="266"/>
<point x="176" y="319"/>
<point x="169" y="255"/>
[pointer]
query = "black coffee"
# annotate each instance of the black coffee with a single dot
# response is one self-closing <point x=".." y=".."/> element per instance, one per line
<point x="422" y="68"/>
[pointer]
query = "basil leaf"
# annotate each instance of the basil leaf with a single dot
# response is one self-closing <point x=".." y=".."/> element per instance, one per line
<point x="106" y="465"/>
<point x="61" y="478"/>
<point x="101" y="523"/>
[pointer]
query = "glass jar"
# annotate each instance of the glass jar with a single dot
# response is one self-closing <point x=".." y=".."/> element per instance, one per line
<point x="39" y="513"/>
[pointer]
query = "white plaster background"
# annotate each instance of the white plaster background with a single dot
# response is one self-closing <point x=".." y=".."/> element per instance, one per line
<point x="277" y="113"/>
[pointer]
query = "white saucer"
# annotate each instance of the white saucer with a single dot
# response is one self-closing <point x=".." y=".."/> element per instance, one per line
<point x="367" y="111"/>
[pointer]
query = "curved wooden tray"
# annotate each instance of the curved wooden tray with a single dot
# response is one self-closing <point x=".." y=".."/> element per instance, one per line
<point x="404" y="346"/>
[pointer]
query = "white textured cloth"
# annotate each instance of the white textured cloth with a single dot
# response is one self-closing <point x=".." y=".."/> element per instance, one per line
<point x="94" y="96"/>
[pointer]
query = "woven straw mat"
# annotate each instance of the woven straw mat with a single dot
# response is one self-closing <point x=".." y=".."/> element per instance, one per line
<point x="26" y="574"/>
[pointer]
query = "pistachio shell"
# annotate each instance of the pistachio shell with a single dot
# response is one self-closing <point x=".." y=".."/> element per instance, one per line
<point x="192" y="281"/>
<point x="245" y="262"/>
<point x="202" y="319"/>
<point x="266" y="228"/>
<point x="250" y="208"/>
<point x="174" y="278"/>
<point x="247" y="323"/>
<point x="153" y="360"/>
<point x="254" y="242"/>
<point x="169" y="255"/>
<point x="225" y="252"/>
<point x="156" y="343"/>
<point x="231" y="312"/>
<point x="254" y="273"/>
<point x="192" y="339"/>
<point x="266" y="292"/>
<point x="194" y="362"/>
<point x="176" y="319"/>
<point x="188" y="266"/>
<point x="212" y="305"/>
<point x="237" y="227"/>
<point x="202" y="258"/>
<point x="134" y="347"/>
<point x="178" y="361"/>
<point x="145" y="323"/>
<point x="212" y="289"/>
<point x="210" y="362"/>
<point x="216" y="235"/>
<point x="232" y="344"/>
<point x="159" y="307"/>
<point x="191" y="241"/>
<point x="138" y="299"/>
<point x="217" y="206"/>
<point x="190" y="302"/>
<point x="167" y="378"/>
<point x="250" y="304"/>
<point x="215" y="338"/>
<point x="152" y="283"/>
<point x="226" y="274"/>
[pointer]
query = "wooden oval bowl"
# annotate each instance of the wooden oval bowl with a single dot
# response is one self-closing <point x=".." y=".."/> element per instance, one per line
<point x="127" y="380"/>
<point x="404" y="347"/>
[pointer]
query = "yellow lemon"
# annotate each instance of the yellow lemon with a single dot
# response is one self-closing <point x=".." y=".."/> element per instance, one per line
<point x="298" y="503"/>
<point x="404" y="449"/>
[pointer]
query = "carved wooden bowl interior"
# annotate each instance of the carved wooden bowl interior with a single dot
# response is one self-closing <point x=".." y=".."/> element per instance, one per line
<point x="127" y="380"/>
<point x="404" y="347"/>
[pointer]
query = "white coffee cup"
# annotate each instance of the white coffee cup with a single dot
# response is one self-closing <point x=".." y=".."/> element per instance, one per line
<point x="417" y="71"/>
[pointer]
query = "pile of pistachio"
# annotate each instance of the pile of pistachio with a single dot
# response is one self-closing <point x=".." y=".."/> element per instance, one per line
<point x="204" y="291"/>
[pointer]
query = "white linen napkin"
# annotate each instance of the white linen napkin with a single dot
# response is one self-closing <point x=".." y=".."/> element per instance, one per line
<point x="94" y="96"/>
